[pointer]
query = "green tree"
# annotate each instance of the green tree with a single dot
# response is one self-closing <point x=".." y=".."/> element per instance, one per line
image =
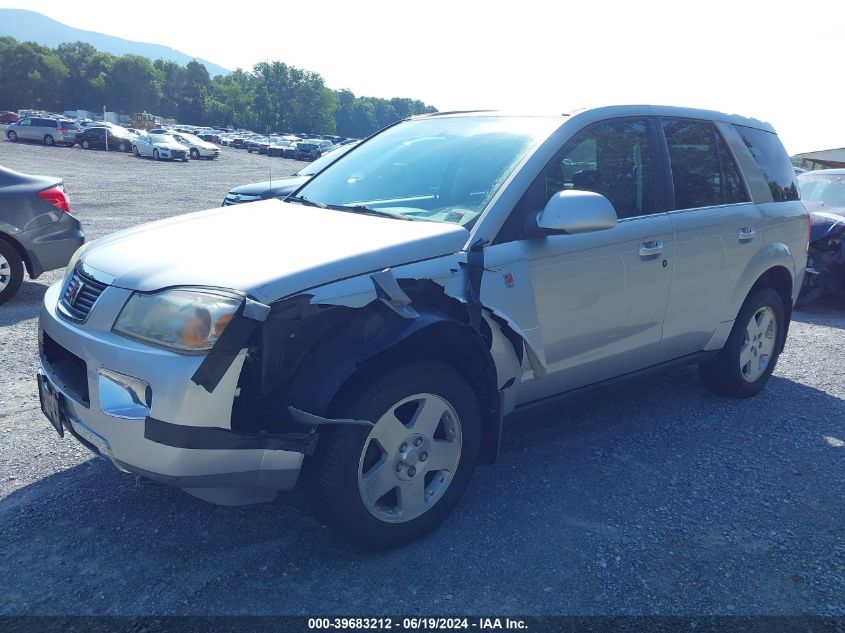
<point x="84" y="86"/>
<point x="31" y="76"/>
<point x="172" y="87"/>
<point x="133" y="85"/>
<point x="196" y="92"/>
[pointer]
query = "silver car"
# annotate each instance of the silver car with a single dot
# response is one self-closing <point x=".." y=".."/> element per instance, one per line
<point x="44" y="130"/>
<point x="367" y="336"/>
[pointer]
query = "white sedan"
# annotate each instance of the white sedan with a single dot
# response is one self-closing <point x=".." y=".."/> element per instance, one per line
<point x="198" y="147"/>
<point x="160" y="146"/>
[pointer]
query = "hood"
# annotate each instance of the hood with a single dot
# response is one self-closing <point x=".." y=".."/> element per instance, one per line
<point x="269" y="249"/>
<point x="824" y="221"/>
<point x="170" y="145"/>
<point x="272" y="188"/>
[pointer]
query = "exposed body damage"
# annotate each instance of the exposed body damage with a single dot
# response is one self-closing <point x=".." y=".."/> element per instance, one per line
<point x="826" y="257"/>
<point x="302" y="357"/>
<point x="823" y="192"/>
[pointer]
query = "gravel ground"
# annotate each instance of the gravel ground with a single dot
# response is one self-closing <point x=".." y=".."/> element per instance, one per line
<point x="662" y="499"/>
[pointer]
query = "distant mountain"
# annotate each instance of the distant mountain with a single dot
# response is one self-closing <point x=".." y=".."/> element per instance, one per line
<point x="29" y="26"/>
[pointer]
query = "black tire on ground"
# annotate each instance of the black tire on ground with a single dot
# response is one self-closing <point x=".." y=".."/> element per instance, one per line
<point x="723" y="373"/>
<point x="195" y="153"/>
<point x="135" y="151"/>
<point x="155" y="155"/>
<point x="48" y="140"/>
<point x="86" y="145"/>
<point x="332" y="472"/>
<point x="13" y="274"/>
<point x="11" y="136"/>
<point x="123" y="147"/>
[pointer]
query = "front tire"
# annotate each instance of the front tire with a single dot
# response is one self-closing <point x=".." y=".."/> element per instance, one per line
<point x="155" y="155"/>
<point x="136" y="152"/>
<point x="12" y="136"/>
<point x="743" y="366"/>
<point x="11" y="271"/>
<point x="86" y="145"/>
<point x="195" y="153"/>
<point x="389" y="484"/>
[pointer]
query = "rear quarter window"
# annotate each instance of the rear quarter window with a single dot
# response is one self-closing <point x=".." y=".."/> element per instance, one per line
<point x="773" y="161"/>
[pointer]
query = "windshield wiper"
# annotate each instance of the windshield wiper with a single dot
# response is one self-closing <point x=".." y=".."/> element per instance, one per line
<point x="365" y="210"/>
<point x="306" y="202"/>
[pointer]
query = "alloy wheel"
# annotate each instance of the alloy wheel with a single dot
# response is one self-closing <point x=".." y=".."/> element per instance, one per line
<point x="5" y="273"/>
<point x="758" y="344"/>
<point x="409" y="458"/>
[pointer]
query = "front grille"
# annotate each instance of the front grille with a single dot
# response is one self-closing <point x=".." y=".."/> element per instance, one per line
<point x="80" y="294"/>
<point x="67" y="368"/>
<point x="177" y="153"/>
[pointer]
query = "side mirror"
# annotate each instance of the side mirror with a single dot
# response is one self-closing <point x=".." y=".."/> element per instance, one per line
<point x="572" y="211"/>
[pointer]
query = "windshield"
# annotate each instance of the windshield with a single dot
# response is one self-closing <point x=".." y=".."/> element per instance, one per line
<point x="188" y="138"/>
<point x="828" y="190"/>
<point x="439" y="169"/>
<point x="324" y="161"/>
<point x="160" y="138"/>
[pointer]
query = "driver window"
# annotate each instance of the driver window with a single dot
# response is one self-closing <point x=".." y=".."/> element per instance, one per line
<point x="25" y="122"/>
<point x="611" y="158"/>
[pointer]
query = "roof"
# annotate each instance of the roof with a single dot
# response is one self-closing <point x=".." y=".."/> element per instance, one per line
<point x="621" y="110"/>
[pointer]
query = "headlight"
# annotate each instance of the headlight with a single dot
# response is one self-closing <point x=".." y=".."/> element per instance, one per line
<point x="180" y="319"/>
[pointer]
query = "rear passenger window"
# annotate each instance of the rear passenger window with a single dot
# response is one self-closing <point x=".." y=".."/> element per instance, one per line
<point x="703" y="171"/>
<point x="772" y="160"/>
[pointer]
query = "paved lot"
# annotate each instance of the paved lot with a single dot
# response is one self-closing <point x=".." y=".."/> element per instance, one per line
<point x="659" y="499"/>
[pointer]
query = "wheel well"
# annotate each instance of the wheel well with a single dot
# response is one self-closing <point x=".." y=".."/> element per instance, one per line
<point x="20" y="250"/>
<point x="778" y="279"/>
<point x="446" y="342"/>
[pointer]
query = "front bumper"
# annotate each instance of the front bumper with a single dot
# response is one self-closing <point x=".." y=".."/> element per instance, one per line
<point x="51" y="246"/>
<point x="71" y="359"/>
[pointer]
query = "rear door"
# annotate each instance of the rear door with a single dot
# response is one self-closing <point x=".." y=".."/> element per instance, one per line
<point x="717" y="232"/>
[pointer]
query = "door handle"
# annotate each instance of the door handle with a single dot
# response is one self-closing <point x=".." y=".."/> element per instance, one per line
<point x="650" y="249"/>
<point x="747" y="233"/>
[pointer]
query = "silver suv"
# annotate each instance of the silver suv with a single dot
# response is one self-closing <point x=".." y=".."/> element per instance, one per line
<point x="45" y="130"/>
<point x="368" y="335"/>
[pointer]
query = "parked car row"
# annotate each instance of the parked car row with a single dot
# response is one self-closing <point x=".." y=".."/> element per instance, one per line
<point x="168" y="145"/>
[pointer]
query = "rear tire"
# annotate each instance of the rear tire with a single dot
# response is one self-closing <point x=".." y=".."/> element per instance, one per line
<point x="743" y="366"/>
<point x="123" y="147"/>
<point x="86" y="145"/>
<point x="423" y="481"/>
<point x="11" y="271"/>
<point x="195" y="153"/>
<point x="48" y="140"/>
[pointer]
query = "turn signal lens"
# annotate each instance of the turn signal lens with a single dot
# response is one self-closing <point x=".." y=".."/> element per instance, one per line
<point x="196" y="331"/>
<point x="221" y="324"/>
